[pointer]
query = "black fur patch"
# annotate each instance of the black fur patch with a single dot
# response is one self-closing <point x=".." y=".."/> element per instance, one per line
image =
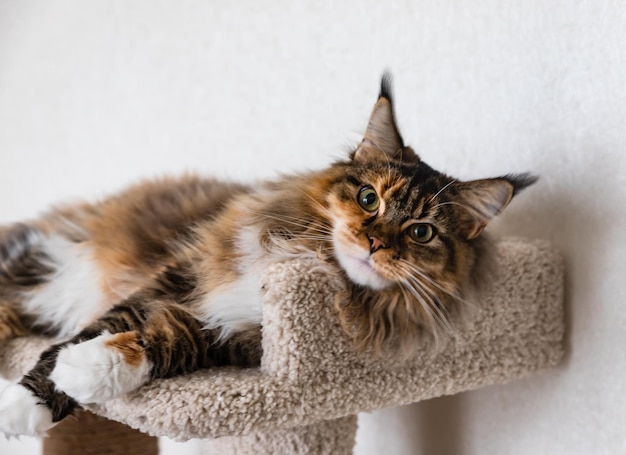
<point x="386" y="82"/>
<point x="60" y="404"/>
<point x="520" y="181"/>
<point x="177" y="283"/>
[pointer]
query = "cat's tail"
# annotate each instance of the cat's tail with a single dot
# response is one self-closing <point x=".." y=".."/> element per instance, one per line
<point x="22" y="268"/>
<point x="23" y="263"/>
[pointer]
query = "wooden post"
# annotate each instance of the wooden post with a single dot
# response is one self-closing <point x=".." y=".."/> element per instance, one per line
<point x="89" y="434"/>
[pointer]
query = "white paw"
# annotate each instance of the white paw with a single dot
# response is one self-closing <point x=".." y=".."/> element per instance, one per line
<point x="21" y="413"/>
<point x="94" y="372"/>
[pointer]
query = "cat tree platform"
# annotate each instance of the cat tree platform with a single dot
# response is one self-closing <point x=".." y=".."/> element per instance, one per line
<point x="305" y="396"/>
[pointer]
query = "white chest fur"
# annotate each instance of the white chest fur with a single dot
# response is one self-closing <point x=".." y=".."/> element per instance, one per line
<point x="73" y="296"/>
<point x="236" y="305"/>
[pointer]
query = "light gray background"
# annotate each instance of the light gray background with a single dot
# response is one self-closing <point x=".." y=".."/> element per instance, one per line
<point x="94" y="95"/>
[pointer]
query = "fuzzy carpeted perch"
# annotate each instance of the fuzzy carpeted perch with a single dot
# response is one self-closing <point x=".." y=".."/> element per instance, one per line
<point x="310" y="385"/>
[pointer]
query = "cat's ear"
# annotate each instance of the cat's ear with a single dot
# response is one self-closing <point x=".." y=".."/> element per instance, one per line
<point x="382" y="141"/>
<point x="479" y="201"/>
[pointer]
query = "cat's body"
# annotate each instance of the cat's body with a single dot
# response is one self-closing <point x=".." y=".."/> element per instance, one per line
<point x="163" y="278"/>
<point x="94" y="256"/>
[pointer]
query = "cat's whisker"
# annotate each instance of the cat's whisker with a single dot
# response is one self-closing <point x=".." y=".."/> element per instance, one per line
<point x="431" y="319"/>
<point x="438" y="306"/>
<point x="423" y="290"/>
<point x="425" y="282"/>
<point x="464" y="207"/>
<point x="449" y="293"/>
<point x="424" y="286"/>
<point x="310" y="237"/>
<point x="313" y="226"/>
<point x="388" y="158"/>
<point x="298" y="222"/>
<point x="388" y="170"/>
<point x="414" y="295"/>
<point x="433" y="325"/>
<point x="441" y="190"/>
<point x="318" y="203"/>
<point x="413" y="270"/>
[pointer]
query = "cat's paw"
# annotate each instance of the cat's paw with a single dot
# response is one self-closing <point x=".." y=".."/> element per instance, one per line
<point x="103" y="368"/>
<point x="21" y="412"/>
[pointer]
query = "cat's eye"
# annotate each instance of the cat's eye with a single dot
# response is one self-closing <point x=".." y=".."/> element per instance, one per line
<point x="421" y="232"/>
<point x="368" y="199"/>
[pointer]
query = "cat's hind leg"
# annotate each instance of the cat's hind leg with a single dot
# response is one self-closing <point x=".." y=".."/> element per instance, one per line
<point x="21" y="412"/>
<point x="13" y="397"/>
<point x="32" y="406"/>
<point x="21" y="270"/>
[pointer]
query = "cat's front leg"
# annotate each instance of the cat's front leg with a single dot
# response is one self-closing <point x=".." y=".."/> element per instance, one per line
<point x="165" y="340"/>
<point x="37" y="402"/>
<point x="21" y="411"/>
<point x="87" y="369"/>
<point x="80" y="371"/>
<point x="33" y="406"/>
<point x="132" y="343"/>
<point x="103" y="368"/>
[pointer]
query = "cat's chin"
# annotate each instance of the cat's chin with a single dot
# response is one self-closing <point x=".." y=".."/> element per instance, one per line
<point x="361" y="271"/>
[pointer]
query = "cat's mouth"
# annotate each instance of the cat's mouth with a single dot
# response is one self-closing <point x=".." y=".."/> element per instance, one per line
<point x="360" y="269"/>
<point x="356" y="261"/>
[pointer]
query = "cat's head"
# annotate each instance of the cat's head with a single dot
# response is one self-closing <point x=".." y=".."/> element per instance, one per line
<point x="399" y="225"/>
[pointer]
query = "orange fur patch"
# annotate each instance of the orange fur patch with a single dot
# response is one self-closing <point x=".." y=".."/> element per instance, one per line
<point x="128" y="345"/>
<point x="10" y="324"/>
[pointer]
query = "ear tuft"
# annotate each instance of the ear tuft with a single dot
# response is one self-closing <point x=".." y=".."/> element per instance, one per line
<point x="481" y="201"/>
<point x="520" y="181"/>
<point x="386" y="82"/>
<point x="382" y="141"/>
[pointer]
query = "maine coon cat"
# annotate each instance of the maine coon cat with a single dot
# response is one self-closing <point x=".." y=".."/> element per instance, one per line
<point x="162" y="279"/>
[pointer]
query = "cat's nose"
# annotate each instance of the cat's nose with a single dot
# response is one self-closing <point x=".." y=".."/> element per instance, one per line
<point x="375" y="244"/>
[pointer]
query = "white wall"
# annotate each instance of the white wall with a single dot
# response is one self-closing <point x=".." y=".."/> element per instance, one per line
<point x="95" y="94"/>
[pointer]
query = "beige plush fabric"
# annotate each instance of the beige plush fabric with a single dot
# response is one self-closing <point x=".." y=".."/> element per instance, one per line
<point x="309" y="373"/>
<point x="332" y="437"/>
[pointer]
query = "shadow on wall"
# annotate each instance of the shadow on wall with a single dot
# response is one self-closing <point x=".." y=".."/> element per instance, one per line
<point x="564" y="209"/>
<point x="425" y="428"/>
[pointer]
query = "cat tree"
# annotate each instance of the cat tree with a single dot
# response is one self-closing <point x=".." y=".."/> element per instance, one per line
<point x="305" y="396"/>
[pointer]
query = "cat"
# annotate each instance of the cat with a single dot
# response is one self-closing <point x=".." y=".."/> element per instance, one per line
<point x="163" y="278"/>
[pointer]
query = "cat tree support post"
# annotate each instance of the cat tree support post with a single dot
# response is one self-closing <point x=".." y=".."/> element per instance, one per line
<point x="334" y="437"/>
<point x="310" y="385"/>
<point x="89" y="434"/>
